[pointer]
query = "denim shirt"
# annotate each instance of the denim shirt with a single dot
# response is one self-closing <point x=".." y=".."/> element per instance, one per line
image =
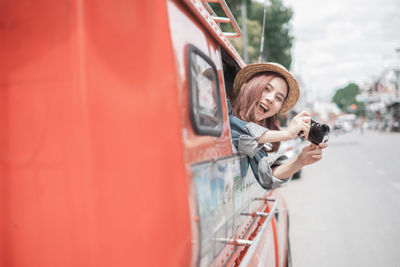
<point x="245" y="137"/>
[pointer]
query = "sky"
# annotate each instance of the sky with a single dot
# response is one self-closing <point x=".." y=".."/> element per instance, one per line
<point x="342" y="41"/>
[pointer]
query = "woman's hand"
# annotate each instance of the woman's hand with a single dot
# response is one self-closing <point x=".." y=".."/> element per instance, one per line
<point x="308" y="155"/>
<point x="299" y="124"/>
<point x="311" y="153"/>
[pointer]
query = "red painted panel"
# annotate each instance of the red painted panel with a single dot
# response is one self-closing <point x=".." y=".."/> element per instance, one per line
<point x="89" y="119"/>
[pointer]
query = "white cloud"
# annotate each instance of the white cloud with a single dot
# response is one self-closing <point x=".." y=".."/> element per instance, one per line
<point x="341" y="41"/>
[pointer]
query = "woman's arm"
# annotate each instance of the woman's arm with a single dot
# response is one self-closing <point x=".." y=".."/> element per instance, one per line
<point x="287" y="169"/>
<point x="274" y="136"/>
<point x="300" y="122"/>
<point x="308" y="155"/>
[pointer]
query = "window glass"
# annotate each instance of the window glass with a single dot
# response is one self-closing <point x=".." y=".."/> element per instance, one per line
<point x="205" y="99"/>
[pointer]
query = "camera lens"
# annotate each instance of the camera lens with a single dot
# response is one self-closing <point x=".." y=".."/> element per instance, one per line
<point x="324" y="129"/>
<point x="317" y="132"/>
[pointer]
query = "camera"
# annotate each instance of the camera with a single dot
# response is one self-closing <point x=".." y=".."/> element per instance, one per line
<point x="318" y="132"/>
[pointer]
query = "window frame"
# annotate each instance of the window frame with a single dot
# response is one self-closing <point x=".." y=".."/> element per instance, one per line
<point x="198" y="128"/>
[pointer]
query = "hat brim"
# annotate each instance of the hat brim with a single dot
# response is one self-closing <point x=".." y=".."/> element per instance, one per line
<point x="251" y="70"/>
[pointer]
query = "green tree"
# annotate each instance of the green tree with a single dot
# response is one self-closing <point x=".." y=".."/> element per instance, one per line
<point x="345" y="98"/>
<point x="253" y="36"/>
<point x="278" y="40"/>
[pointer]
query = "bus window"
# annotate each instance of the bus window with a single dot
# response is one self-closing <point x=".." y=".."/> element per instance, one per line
<point x="230" y="69"/>
<point x="205" y="99"/>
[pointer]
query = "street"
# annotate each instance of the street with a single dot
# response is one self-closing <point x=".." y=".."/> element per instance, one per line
<point x="345" y="209"/>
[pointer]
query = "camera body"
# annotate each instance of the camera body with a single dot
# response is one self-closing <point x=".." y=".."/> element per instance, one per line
<point x="318" y="132"/>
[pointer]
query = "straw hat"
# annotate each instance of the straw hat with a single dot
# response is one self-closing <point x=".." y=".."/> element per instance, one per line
<point x="251" y="70"/>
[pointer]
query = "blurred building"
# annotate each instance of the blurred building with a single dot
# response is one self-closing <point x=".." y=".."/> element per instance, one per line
<point x="326" y="112"/>
<point x="382" y="98"/>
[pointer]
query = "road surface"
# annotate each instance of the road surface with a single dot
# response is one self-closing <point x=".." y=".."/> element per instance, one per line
<point x="345" y="209"/>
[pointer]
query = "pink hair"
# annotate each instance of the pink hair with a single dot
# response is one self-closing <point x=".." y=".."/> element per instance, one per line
<point x="250" y="93"/>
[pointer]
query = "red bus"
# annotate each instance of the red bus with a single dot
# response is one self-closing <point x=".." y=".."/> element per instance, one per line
<point x="115" y="146"/>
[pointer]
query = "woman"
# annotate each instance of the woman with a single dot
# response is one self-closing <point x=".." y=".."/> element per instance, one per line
<point x="261" y="91"/>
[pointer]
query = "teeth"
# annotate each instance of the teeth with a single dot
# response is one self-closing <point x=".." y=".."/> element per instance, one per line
<point x="264" y="107"/>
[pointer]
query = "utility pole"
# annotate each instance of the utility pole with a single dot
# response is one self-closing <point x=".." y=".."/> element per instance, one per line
<point x="261" y="58"/>
<point x="244" y="31"/>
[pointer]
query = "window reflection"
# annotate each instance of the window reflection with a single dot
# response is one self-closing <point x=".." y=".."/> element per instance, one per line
<point x="206" y="107"/>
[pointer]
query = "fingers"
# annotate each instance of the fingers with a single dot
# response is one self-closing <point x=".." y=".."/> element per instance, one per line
<point x="303" y="113"/>
<point x="312" y="153"/>
<point x="306" y="129"/>
<point x="317" y="157"/>
<point x="308" y="148"/>
<point x="300" y="125"/>
<point x="303" y="128"/>
<point x="315" y="154"/>
<point x="304" y="133"/>
<point x="304" y="116"/>
<point x="312" y="149"/>
<point x="318" y="150"/>
<point x="307" y="119"/>
<point x="323" y="145"/>
<point x="304" y="124"/>
<point x="315" y="150"/>
<point x="320" y="145"/>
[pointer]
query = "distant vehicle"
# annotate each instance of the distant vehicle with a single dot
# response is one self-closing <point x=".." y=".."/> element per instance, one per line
<point x="345" y="123"/>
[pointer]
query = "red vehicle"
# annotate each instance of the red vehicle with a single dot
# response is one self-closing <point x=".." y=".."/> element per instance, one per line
<point x="115" y="145"/>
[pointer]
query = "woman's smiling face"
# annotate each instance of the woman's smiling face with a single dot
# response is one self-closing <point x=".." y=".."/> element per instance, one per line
<point x="272" y="98"/>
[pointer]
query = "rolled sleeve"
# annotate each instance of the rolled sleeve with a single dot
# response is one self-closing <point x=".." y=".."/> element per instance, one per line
<point x="248" y="144"/>
<point x="266" y="179"/>
<point x="255" y="129"/>
<point x="276" y="182"/>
